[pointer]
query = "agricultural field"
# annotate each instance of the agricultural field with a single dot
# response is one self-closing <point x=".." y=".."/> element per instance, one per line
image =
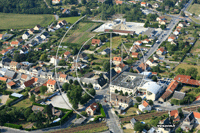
<point x="24" y="103"/>
<point x="186" y="66"/>
<point x="194" y="9"/>
<point x="70" y="19"/>
<point x="23" y="21"/>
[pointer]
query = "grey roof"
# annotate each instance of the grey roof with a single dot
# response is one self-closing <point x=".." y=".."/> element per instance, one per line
<point x="125" y="80"/>
<point x="9" y="74"/>
<point x="133" y="121"/>
<point x="123" y="99"/>
<point x="50" y="73"/>
<point x="24" y="67"/>
<point x="189" y="117"/>
<point x="149" y="32"/>
<point x="107" y="50"/>
<point x="113" y="73"/>
<point x="101" y="81"/>
<point x="7" y="64"/>
<point x="82" y="55"/>
<point x="43" y="73"/>
<point x="26" y="33"/>
<point x="178" y="95"/>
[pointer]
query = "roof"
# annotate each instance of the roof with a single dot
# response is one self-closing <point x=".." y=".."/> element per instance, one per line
<point x="67" y="53"/>
<point x="29" y="82"/>
<point x="37" y="108"/>
<point x="16" y="95"/>
<point x="196" y="115"/>
<point x="178" y="95"/>
<point x="166" y="95"/>
<point x="14" y="42"/>
<point x="4" y="51"/>
<point x="9" y="74"/>
<point x="174" y="113"/>
<point x="119" y="2"/>
<point x="162" y="49"/>
<point x="3" y="79"/>
<point x="135" y="54"/>
<point x="51" y="82"/>
<point x="172" y="86"/>
<point x="23" y="76"/>
<point x="120" y="31"/>
<point x="187" y="80"/>
<point x="62" y="75"/>
<point x="13" y="63"/>
<point x="117" y="58"/>
<point x="121" y="65"/>
<point x="113" y="73"/>
<point x="93" y="106"/>
<point x="143" y="3"/>
<point x="133" y="120"/>
<point x="1" y="35"/>
<point x="11" y="83"/>
<point x="123" y="99"/>
<point x="152" y="87"/>
<point x="143" y="66"/>
<point x="145" y="104"/>
<point x="138" y="42"/>
<point x="9" y="47"/>
<point x="38" y="26"/>
<point x="96" y="41"/>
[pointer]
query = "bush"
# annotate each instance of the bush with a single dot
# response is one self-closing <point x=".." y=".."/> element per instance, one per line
<point x="12" y="97"/>
<point x="102" y="110"/>
<point x="97" y="118"/>
<point x="66" y="115"/>
<point x="13" y="125"/>
<point x="139" y="99"/>
<point x="63" y="110"/>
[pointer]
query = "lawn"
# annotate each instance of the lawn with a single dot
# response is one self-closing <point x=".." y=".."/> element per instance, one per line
<point x="70" y="19"/>
<point x="194" y="9"/>
<point x="23" y="21"/>
<point x="130" y="111"/>
<point x="24" y="103"/>
<point x="186" y="66"/>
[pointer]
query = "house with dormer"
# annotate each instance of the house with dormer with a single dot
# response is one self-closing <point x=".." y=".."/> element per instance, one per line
<point x="144" y="106"/>
<point x="92" y="109"/>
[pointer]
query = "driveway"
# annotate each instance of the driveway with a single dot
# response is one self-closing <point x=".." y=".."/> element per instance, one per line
<point x="59" y="102"/>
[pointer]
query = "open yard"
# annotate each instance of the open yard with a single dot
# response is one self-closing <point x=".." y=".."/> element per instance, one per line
<point x="70" y="19"/>
<point x="131" y="111"/>
<point x="23" y="21"/>
<point x="194" y="9"/>
<point x="186" y="66"/>
<point x="24" y="103"/>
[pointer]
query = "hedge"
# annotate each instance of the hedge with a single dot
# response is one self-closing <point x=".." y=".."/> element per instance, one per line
<point x="64" y="110"/>
<point x="2" y="107"/>
<point x="12" y="97"/>
<point x="66" y="115"/>
<point x="97" y="118"/>
<point x="37" y="104"/>
<point x="102" y="111"/>
<point x="13" y="125"/>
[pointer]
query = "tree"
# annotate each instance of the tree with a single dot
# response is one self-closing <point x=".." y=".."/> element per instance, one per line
<point x="48" y="110"/>
<point x="139" y="99"/>
<point x="43" y="57"/>
<point x="126" y="93"/>
<point x="65" y="86"/>
<point x="150" y="102"/>
<point x="178" y="130"/>
<point x="62" y="63"/>
<point x="192" y="72"/>
<point x="91" y="56"/>
<point x="83" y="2"/>
<point x="156" y="69"/>
<point x="121" y="92"/>
<point x="163" y="27"/>
<point x="138" y="126"/>
<point x="198" y="109"/>
<point x="84" y="113"/>
<point x="70" y="81"/>
<point x="106" y="66"/>
<point x="32" y="98"/>
<point x="27" y="88"/>
<point x="90" y="85"/>
<point x="180" y="71"/>
<point x="182" y="14"/>
<point x="76" y="82"/>
<point x="27" y="112"/>
<point x="154" y="78"/>
<point x="43" y="89"/>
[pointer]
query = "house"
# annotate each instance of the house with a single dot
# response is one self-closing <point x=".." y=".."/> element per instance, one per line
<point x="1" y="36"/>
<point x="24" y="51"/>
<point x="3" y="71"/>
<point x="144" y="4"/>
<point x="161" y="51"/>
<point x="59" y="25"/>
<point x="169" y="91"/>
<point x="117" y="60"/>
<point x="6" y="65"/>
<point x="146" y="41"/>
<point x="123" y="102"/>
<point x="31" y="31"/>
<point x="51" y="85"/>
<point x="164" y="129"/>
<point x="144" y="106"/>
<point x="67" y="54"/>
<point x="37" y="27"/>
<point x="182" y="24"/>
<point x="25" y="77"/>
<point x="62" y="78"/>
<point x="106" y="51"/>
<point x="176" y="32"/>
<point x="186" y="80"/>
<point x="43" y="74"/>
<point x="171" y="38"/>
<point x="91" y="110"/>
<point x="35" y="71"/>
<point x="151" y="63"/>
<point x="150" y="32"/>
<point x="14" y="43"/>
<point x="50" y="75"/>
<point x="111" y="73"/>
<point x="142" y="67"/>
<point x="133" y="121"/>
<point x="119" y="2"/>
<point x="97" y="84"/>
<point x="24" y="68"/>
<point x="29" y="83"/>
<point x="54" y="60"/>
<point x="83" y="57"/>
<point x="44" y="36"/>
<point x="10" y="84"/>
<point x="132" y="2"/>
<point x="10" y="74"/>
<point x="120" y="68"/>
<point x="138" y="43"/>
<point x="10" y="48"/>
<point x="135" y="48"/>
<point x="156" y="5"/>
<point x="66" y="11"/>
<point x="188" y="122"/>
<point x="178" y="95"/>
<point x="96" y="42"/>
<point x="25" y="35"/>
<point x="14" y="65"/>
<point x="38" y="40"/>
<point x="135" y="55"/>
<point x="160" y="18"/>
<point x="63" y="22"/>
<point x="174" y="114"/>
<point x="162" y="22"/>
<point x="4" y="51"/>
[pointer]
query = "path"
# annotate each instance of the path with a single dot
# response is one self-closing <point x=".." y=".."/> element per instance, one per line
<point x="47" y="4"/>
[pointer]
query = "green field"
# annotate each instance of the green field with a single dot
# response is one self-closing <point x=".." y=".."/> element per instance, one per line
<point x="194" y="9"/>
<point x="70" y="19"/>
<point x="23" y="21"/>
<point x="186" y="66"/>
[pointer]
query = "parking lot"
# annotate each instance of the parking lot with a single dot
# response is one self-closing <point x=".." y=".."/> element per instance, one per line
<point x="58" y="101"/>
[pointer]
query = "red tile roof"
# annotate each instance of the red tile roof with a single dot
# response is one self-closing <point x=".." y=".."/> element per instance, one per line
<point x="51" y="82"/>
<point x="3" y="79"/>
<point x="8" y="48"/>
<point x="29" y="82"/>
<point x="11" y="83"/>
<point x="1" y="35"/>
<point x="4" y="51"/>
<point x="143" y="3"/>
<point x="145" y="104"/>
<point x="187" y="80"/>
<point x="172" y="86"/>
<point x="162" y="49"/>
<point x="23" y="76"/>
<point x="135" y="54"/>
<point x="143" y="66"/>
<point x="63" y="76"/>
<point x="166" y="95"/>
<point x="13" y="63"/>
<point x="174" y="113"/>
<point x="196" y="114"/>
<point x="119" y="2"/>
<point x="93" y="106"/>
<point x="67" y="53"/>
<point x="154" y="73"/>
<point x="14" y="42"/>
<point x="117" y="58"/>
<point x="121" y="65"/>
<point x="96" y="41"/>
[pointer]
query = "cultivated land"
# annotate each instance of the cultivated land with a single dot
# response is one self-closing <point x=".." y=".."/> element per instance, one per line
<point x="23" y="21"/>
<point x="70" y="19"/>
<point x="186" y="66"/>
